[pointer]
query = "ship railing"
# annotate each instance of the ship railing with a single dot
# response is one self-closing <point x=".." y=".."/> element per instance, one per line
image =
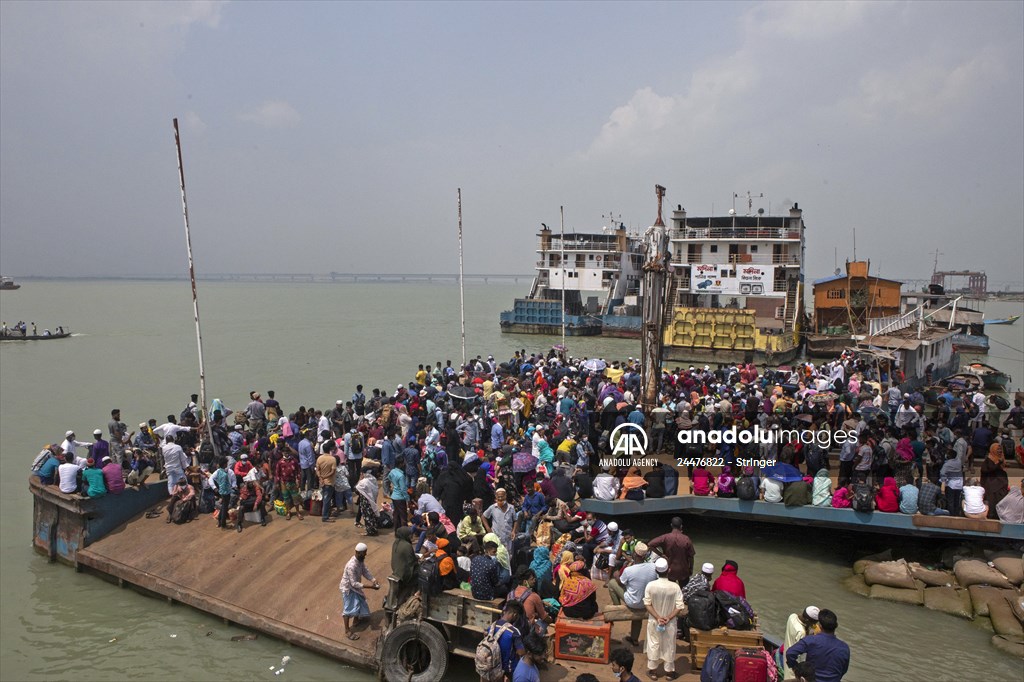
<point x="586" y="245"/>
<point x="741" y="258"/>
<point x="784" y="233"/>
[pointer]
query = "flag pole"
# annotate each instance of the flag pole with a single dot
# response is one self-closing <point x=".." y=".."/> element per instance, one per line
<point x="195" y="297"/>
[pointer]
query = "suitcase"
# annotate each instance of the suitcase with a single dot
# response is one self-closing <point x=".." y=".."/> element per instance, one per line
<point x="751" y="666"/>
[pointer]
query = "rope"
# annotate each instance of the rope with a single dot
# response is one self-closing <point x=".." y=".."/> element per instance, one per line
<point x="1006" y="345"/>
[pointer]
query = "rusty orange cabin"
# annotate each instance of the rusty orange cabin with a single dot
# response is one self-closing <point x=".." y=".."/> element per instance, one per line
<point x="852" y="299"/>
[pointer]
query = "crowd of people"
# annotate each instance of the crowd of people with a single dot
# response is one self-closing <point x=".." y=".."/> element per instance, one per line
<point x="481" y="471"/>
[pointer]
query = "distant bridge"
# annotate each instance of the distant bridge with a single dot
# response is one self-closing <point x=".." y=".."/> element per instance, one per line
<point x="361" y="277"/>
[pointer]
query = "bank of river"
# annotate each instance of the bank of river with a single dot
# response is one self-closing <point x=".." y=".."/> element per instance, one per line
<point x="312" y="343"/>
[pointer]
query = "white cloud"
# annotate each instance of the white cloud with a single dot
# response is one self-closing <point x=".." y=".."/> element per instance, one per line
<point x="274" y="113"/>
<point x="164" y="14"/>
<point x="805" y="20"/>
<point x="923" y="89"/>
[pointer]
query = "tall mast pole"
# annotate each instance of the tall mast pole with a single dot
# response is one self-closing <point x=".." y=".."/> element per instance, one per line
<point x="655" y="270"/>
<point x="561" y="258"/>
<point x="462" y="292"/>
<point x="195" y="297"/>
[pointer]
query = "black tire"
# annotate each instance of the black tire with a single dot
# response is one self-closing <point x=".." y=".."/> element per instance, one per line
<point x="417" y="648"/>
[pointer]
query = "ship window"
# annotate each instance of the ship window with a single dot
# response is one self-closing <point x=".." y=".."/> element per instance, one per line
<point x="714" y="248"/>
<point x="591" y="256"/>
<point x="753" y="248"/>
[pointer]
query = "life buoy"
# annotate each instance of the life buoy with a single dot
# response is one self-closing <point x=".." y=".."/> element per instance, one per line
<point x="597" y="258"/>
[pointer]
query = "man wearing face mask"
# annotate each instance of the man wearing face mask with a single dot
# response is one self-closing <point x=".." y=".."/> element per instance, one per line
<point x="622" y="665"/>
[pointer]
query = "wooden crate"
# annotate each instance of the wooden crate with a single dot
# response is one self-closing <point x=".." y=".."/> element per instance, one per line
<point x="582" y="640"/>
<point x="701" y="641"/>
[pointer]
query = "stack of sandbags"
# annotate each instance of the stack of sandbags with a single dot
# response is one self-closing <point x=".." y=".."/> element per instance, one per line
<point x="892" y="581"/>
<point x="1004" y="620"/>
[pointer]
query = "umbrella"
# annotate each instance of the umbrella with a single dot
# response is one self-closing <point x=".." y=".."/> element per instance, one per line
<point x="823" y="397"/>
<point x="787" y="473"/>
<point x="869" y="410"/>
<point x="462" y="392"/>
<point x="558" y="347"/>
<point x="805" y="418"/>
<point x="595" y="365"/>
<point x="522" y="462"/>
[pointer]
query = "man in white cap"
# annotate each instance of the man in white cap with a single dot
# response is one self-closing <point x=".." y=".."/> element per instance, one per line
<point x="700" y="582"/>
<point x="664" y="601"/>
<point x="630" y="586"/>
<point x="352" y="594"/>
<point x="69" y="445"/>
<point x="100" y="448"/>
<point x="799" y="626"/>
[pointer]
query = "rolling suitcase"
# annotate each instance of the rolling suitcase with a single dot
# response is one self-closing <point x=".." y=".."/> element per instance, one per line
<point x="750" y="666"/>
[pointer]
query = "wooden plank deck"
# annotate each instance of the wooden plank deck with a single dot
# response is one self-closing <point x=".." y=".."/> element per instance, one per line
<point x="282" y="580"/>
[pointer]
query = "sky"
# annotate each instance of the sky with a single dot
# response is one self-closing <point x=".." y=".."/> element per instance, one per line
<point x="323" y="137"/>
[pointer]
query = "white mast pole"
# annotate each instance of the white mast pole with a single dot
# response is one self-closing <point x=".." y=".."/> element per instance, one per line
<point x="462" y="293"/>
<point x="561" y="258"/>
<point x="195" y="297"/>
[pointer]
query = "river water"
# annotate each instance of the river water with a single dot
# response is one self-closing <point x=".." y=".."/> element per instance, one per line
<point x="135" y="349"/>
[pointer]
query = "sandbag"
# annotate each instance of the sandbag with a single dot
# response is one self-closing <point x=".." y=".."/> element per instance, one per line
<point x="1011" y="567"/>
<point x="951" y="600"/>
<point x="1003" y="620"/>
<point x="1011" y="645"/>
<point x="890" y="574"/>
<point x="983" y="595"/>
<point x="855" y="583"/>
<point x="974" y="572"/>
<point x="930" y="577"/>
<point x="896" y="594"/>
<point x="861" y="565"/>
<point x="1017" y="606"/>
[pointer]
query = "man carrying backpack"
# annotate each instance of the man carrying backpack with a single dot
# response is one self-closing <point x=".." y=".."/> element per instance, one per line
<point x="501" y="648"/>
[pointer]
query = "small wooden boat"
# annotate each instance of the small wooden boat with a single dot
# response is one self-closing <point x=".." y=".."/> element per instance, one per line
<point x="8" y="284"/>
<point x="991" y="377"/>
<point x="1008" y="320"/>
<point x="962" y="382"/>
<point x="827" y="345"/>
<point x="14" y="336"/>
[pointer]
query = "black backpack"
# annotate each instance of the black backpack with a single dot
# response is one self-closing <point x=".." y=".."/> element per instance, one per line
<point x="185" y="414"/>
<point x="205" y="455"/>
<point x="863" y="498"/>
<point x="429" y="575"/>
<point x="745" y="488"/>
<point x="356" y="444"/>
<point x="717" y="665"/>
<point x="734" y="612"/>
<point x="702" y="610"/>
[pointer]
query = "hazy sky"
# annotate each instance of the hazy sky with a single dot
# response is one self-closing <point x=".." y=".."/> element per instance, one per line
<point x="333" y="136"/>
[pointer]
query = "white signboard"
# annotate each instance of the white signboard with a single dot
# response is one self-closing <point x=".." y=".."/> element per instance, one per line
<point x="736" y="279"/>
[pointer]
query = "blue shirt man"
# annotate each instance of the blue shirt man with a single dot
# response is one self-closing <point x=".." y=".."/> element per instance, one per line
<point x="497" y="435"/>
<point x="306" y="458"/>
<point x="829" y="655"/>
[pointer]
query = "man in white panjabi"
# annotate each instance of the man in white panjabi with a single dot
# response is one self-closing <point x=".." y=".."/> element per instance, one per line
<point x="664" y="602"/>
